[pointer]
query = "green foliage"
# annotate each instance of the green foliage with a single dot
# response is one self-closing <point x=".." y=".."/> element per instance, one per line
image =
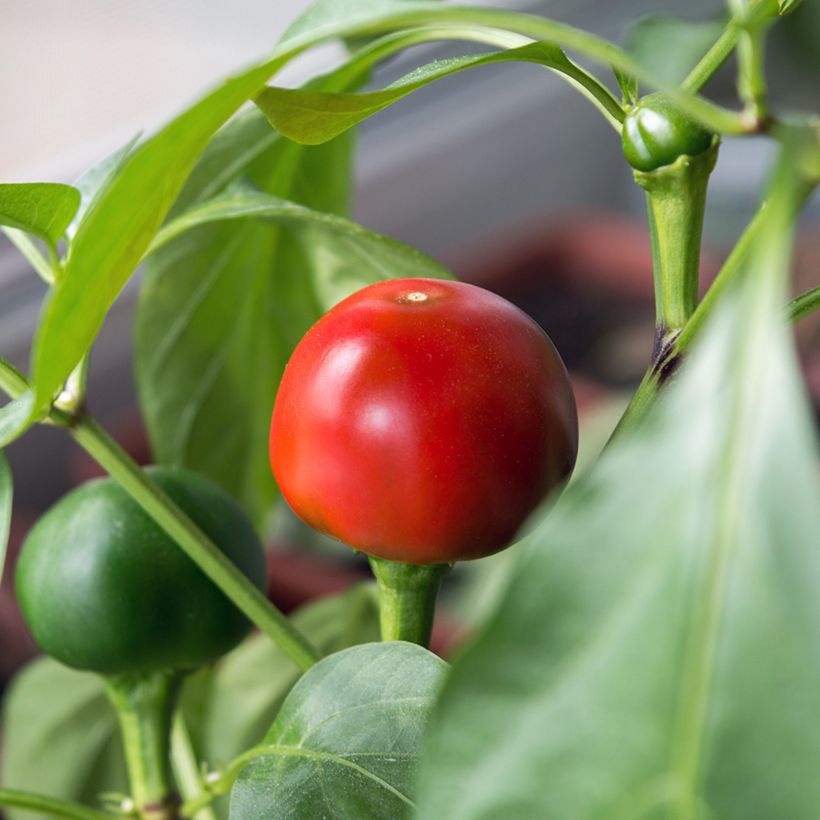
<point x="16" y="418"/>
<point x="347" y="738"/>
<point x="6" y="493"/>
<point x="44" y="209"/>
<point x="262" y="270"/>
<point x="631" y="668"/>
<point x="60" y="733"/>
<point x="312" y="117"/>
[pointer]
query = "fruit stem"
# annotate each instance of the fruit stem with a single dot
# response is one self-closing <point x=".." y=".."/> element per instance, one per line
<point x="407" y="598"/>
<point x="145" y="709"/>
<point x="675" y="202"/>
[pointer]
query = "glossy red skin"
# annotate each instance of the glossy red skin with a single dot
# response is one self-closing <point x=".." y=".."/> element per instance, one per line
<point x="422" y="431"/>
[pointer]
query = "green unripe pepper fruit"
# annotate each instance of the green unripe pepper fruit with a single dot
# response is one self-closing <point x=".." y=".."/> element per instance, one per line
<point x="656" y="132"/>
<point x="104" y="588"/>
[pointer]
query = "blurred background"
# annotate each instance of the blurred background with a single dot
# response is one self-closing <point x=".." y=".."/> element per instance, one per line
<point x="503" y="173"/>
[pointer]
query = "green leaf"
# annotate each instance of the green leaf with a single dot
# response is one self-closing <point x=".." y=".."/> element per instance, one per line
<point x="59" y="730"/>
<point x="41" y="208"/>
<point x="364" y="256"/>
<point x="634" y="665"/>
<point x="787" y="6"/>
<point x="93" y="184"/>
<point x="16" y="418"/>
<point x="346" y="741"/>
<point x="6" y="495"/>
<point x="249" y="686"/>
<point x="208" y="365"/>
<point x="668" y="47"/>
<point x="113" y="235"/>
<point x="312" y="117"/>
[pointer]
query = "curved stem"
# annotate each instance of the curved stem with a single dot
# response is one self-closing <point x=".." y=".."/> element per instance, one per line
<point x="50" y="806"/>
<point x="145" y="707"/>
<point x="407" y="598"/>
<point x="208" y="557"/>
<point x="804" y="304"/>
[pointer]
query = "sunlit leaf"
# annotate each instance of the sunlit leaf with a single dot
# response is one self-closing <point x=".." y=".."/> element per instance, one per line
<point x="41" y="208"/>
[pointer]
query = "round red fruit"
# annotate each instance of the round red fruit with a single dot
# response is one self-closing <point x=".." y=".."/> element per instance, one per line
<point x="422" y="421"/>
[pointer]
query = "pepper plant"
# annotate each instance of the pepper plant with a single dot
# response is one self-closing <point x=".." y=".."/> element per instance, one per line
<point x="654" y="653"/>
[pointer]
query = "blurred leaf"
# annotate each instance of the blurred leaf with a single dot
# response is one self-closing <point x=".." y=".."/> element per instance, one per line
<point x="347" y="738"/>
<point x="6" y="494"/>
<point x="669" y="47"/>
<point x="787" y="6"/>
<point x="41" y="208"/>
<point x="59" y="730"/>
<point x="656" y="652"/>
<point x="16" y="418"/>
<point x="93" y="184"/>
<point x="312" y="117"/>
<point x="113" y="235"/>
<point x="226" y="300"/>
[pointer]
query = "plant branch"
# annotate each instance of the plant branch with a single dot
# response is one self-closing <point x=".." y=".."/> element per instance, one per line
<point x="50" y="806"/>
<point x="208" y="557"/>
<point x="804" y="304"/>
<point x="714" y="58"/>
<point x="205" y="554"/>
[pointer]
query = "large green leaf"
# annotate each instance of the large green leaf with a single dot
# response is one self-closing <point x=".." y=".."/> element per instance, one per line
<point x="227" y="298"/>
<point x="6" y="493"/>
<point x="655" y="655"/>
<point x="312" y="117"/>
<point x="96" y="180"/>
<point x="346" y="740"/>
<point x="44" y="209"/>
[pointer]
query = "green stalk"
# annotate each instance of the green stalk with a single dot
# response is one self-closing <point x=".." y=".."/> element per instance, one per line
<point x="50" y="806"/>
<point x="186" y="771"/>
<point x="675" y="203"/>
<point x="145" y="707"/>
<point x="208" y="557"/>
<point x="803" y="305"/>
<point x="199" y="548"/>
<point x="407" y="598"/>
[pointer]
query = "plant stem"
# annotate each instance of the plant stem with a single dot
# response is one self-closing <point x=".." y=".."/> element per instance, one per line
<point x="804" y="304"/>
<point x="186" y="771"/>
<point x="145" y="707"/>
<point x="205" y="554"/>
<point x="712" y="60"/>
<point x="407" y="598"/>
<point x="675" y="204"/>
<point x="210" y="559"/>
<point x="50" y="806"/>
